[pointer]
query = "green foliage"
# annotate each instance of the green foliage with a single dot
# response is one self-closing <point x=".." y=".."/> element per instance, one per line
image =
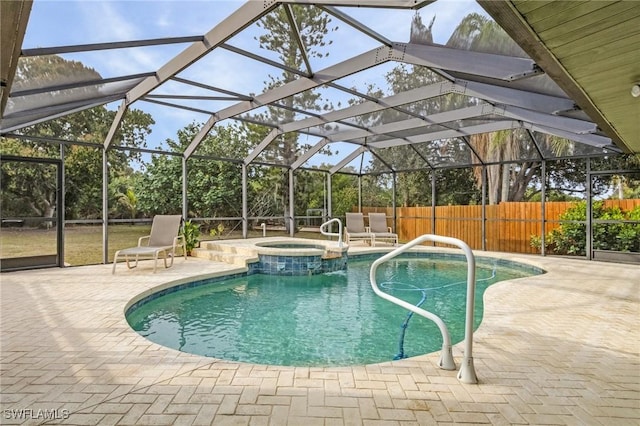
<point x="570" y="237"/>
<point x="191" y="233"/>
<point x="215" y="187"/>
<point x="83" y="163"/>
<point x="217" y="231"/>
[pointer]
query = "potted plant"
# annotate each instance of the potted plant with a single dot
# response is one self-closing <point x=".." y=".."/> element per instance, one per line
<point x="191" y="233"/>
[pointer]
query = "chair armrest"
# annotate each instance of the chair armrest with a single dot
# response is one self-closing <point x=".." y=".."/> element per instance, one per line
<point x="389" y="229"/>
<point x="141" y="239"/>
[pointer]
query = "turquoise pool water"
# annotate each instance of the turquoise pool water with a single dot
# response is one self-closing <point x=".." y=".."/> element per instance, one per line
<point x="319" y="320"/>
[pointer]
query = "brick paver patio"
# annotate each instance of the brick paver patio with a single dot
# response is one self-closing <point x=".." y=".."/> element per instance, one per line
<point x="561" y="348"/>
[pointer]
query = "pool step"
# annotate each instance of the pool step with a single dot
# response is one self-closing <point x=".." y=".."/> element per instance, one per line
<point x="228" y="248"/>
<point x="232" y="255"/>
<point x="331" y="254"/>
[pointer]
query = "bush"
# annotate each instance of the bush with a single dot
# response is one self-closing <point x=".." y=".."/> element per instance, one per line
<point x="191" y="232"/>
<point x="571" y="236"/>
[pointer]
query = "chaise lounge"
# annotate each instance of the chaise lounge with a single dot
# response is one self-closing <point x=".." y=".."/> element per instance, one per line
<point x="355" y="229"/>
<point x="381" y="232"/>
<point x="162" y="242"/>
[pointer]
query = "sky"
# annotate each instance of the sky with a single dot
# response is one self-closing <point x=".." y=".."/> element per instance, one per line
<point x="59" y="23"/>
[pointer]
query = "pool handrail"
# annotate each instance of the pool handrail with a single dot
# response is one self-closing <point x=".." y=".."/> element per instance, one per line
<point x="332" y="234"/>
<point x="467" y="372"/>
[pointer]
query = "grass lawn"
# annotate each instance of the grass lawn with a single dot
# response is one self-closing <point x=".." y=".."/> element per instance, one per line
<point x="83" y="244"/>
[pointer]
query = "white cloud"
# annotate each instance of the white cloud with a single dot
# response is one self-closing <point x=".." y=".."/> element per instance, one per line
<point x="107" y="21"/>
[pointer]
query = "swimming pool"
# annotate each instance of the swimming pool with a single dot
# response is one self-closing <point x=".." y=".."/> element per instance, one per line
<point x="331" y="319"/>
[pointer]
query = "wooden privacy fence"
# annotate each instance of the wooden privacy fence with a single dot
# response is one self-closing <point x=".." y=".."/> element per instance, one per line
<point x="509" y="226"/>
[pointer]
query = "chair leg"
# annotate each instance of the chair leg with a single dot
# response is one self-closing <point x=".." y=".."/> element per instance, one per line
<point x="172" y="255"/>
<point x="126" y="260"/>
<point x="115" y="261"/>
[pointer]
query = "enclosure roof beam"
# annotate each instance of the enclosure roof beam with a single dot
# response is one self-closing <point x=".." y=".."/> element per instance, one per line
<point x="309" y="153"/>
<point x="334" y="72"/>
<point x="298" y="38"/>
<point x="57" y="50"/>
<point x="589" y="139"/>
<point x="234" y="23"/>
<point x="262" y="59"/>
<point x="49" y="112"/>
<point x="178" y="106"/>
<point x="508" y="96"/>
<point x="565" y="123"/>
<point x="388" y="4"/>
<point x="357" y="25"/>
<point x="366" y="107"/>
<point x="501" y="67"/>
<point x="382" y="160"/>
<point x="467" y="141"/>
<point x="113" y="128"/>
<point x="413" y="123"/>
<point x="451" y="133"/>
<point x="349" y="158"/>
<point x="419" y="154"/>
<point x="535" y="143"/>
<point x="47" y="89"/>
<point x="261" y="146"/>
<point x="209" y="87"/>
<point x="193" y="97"/>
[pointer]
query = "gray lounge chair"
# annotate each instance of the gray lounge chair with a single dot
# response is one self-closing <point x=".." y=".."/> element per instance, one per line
<point x="378" y="227"/>
<point x="355" y="229"/>
<point x="162" y="242"/>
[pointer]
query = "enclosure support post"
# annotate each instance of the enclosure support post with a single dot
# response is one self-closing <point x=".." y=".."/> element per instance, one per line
<point x="543" y="210"/>
<point x="60" y="207"/>
<point x="185" y="206"/>
<point x="245" y="219"/>
<point x="292" y="229"/>
<point x="433" y="203"/>
<point x="484" y="208"/>
<point x="393" y="200"/>
<point x="359" y="193"/>
<point x="329" y="198"/>
<point x="589" y="227"/>
<point x="105" y="207"/>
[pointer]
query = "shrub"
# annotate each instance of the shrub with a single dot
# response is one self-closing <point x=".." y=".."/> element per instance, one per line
<point x="191" y="232"/>
<point x="570" y="237"/>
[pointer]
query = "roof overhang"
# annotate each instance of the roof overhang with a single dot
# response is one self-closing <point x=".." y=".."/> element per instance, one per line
<point x="14" y="16"/>
<point x="590" y="52"/>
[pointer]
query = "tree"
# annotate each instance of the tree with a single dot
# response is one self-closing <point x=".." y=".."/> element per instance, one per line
<point x="83" y="164"/>
<point x="214" y="185"/>
<point x="278" y="37"/>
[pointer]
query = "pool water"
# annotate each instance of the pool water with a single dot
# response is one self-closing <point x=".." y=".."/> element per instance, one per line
<point x="330" y="319"/>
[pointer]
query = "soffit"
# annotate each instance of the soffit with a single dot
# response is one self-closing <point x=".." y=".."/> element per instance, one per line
<point x="14" y="16"/>
<point x="590" y="48"/>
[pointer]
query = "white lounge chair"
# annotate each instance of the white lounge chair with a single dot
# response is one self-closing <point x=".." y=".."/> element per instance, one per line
<point x="378" y="227"/>
<point x="162" y="242"/>
<point x="355" y="229"/>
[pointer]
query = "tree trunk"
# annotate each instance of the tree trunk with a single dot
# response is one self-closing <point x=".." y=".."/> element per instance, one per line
<point x="506" y="171"/>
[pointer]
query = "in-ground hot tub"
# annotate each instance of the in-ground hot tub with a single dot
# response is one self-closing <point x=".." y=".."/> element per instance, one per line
<point x="299" y="257"/>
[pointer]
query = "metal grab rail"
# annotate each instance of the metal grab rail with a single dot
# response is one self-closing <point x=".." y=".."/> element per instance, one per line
<point x="331" y="234"/>
<point x="467" y="372"/>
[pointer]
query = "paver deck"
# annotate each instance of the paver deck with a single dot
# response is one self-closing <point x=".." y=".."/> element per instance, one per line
<point x="561" y="348"/>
